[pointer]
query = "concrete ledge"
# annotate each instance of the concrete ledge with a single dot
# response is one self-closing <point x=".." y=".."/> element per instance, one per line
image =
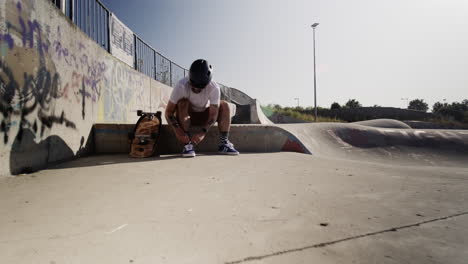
<point x="112" y="138"/>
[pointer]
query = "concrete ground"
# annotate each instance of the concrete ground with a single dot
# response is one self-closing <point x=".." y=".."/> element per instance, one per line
<point x="254" y="208"/>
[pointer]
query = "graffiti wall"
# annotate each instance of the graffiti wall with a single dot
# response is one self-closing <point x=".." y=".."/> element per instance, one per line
<point x="55" y="83"/>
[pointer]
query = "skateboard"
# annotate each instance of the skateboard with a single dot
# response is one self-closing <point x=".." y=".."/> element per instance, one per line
<point x="145" y="136"/>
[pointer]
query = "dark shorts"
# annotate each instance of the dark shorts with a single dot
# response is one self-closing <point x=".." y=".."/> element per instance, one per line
<point x="199" y="118"/>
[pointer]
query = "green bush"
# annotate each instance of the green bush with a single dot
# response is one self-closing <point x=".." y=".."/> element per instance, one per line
<point x="455" y="110"/>
<point x="300" y="113"/>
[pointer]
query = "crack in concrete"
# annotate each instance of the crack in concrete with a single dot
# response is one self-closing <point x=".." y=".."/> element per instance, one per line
<point x="321" y="245"/>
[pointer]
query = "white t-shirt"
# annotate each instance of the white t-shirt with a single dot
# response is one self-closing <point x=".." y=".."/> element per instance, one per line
<point x="210" y="95"/>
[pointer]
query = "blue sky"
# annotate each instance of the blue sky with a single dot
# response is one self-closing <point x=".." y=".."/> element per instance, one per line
<point x="375" y="51"/>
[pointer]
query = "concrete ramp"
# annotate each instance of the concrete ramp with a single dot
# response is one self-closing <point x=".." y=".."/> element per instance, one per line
<point x="404" y="146"/>
<point x="257" y="116"/>
<point x="335" y="140"/>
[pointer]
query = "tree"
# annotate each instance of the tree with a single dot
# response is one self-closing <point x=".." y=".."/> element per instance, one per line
<point x="299" y="109"/>
<point x="438" y="106"/>
<point x="277" y="106"/>
<point x="419" y="105"/>
<point x="455" y="110"/>
<point x="335" y="105"/>
<point x="353" y="103"/>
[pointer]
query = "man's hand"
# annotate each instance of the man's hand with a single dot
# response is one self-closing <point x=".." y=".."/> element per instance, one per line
<point x="181" y="135"/>
<point x="197" y="138"/>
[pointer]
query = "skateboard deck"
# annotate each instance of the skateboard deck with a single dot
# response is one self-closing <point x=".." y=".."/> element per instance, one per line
<point x="145" y="136"/>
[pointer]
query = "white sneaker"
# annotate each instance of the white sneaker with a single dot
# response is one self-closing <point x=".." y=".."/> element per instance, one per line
<point x="227" y="149"/>
<point x="188" y="151"/>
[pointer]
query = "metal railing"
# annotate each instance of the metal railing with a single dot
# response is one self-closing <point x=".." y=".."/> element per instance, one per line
<point x="144" y="58"/>
<point x="177" y="73"/>
<point x="57" y="3"/>
<point x="93" y="18"/>
<point x="162" y="69"/>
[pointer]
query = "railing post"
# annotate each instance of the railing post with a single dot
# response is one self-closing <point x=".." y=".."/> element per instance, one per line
<point x="154" y="56"/>
<point x="135" y="52"/>
<point x="108" y="30"/>
<point x="170" y="73"/>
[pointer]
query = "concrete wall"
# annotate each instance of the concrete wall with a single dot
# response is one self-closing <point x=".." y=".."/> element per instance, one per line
<point x="112" y="138"/>
<point x="248" y="109"/>
<point x="235" y="96"/>
<point x="55" y="83"/>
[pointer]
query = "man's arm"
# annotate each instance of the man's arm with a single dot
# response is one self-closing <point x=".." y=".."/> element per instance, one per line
<point x="212" y="117"/>
<point x="174" y="123"/>
<point x="170" y="117"/>
<point x="215" y="97"/>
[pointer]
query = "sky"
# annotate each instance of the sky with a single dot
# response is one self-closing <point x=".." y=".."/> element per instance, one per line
<point x="379" y="52"/>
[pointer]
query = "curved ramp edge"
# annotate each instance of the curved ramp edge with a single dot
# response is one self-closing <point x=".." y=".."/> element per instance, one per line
<point x="257" y="116"/>
<point x="405" y="146"/>
<point x="383" y="123"/>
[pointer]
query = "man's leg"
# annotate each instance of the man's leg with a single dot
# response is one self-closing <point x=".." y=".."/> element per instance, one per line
<point x="224" y="125"/>
<point x="183" y="114"/>
<point x="224" y="117"/>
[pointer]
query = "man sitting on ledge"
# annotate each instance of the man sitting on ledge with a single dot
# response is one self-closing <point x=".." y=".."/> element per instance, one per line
<point x="195" y="102"/>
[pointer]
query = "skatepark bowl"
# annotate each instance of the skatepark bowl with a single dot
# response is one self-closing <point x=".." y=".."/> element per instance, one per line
<point x="371" y="192"/>
<point x="376" y="191"/>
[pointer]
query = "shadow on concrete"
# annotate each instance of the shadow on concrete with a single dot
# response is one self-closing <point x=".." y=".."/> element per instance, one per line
<point x="27" y="156"/>
<point x="103" y="160"/>
<point x="111" y="159"/>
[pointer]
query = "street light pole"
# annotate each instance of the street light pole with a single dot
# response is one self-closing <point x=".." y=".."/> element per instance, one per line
<point x="315" y="75"/>
<point x="297" y="101"/>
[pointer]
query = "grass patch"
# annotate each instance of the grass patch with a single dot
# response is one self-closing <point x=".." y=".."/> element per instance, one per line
<point x="269" y="111"/>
